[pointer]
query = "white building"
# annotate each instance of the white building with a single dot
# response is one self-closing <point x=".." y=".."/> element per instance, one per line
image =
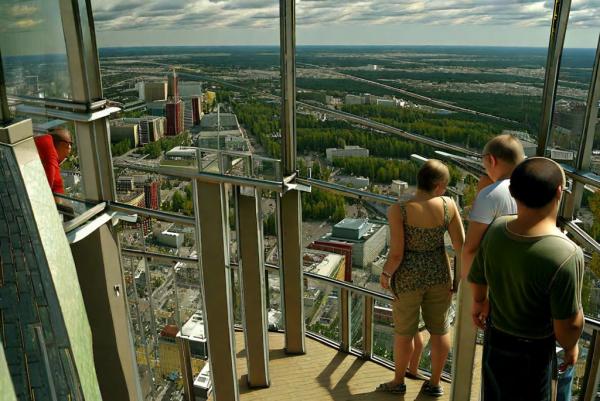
<point x="181" y="153"/>
<point x="171" y="239"/>
<point x="562" y="154"/>
<point x="152" y="91"/>
<point x="347" y="151"/>
<point x="386" y="102"/>
<point x="399" y="187"/>
<point x="354" y="182"/>
<point x="353" y="99"/>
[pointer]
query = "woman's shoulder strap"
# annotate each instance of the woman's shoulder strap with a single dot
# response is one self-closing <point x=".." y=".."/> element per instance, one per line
<point x="446" y="212"/>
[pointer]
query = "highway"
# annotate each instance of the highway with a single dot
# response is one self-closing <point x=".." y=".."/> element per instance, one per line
<point x="429" y="100"/>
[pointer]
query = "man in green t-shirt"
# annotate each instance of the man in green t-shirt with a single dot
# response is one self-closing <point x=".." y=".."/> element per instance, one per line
<point x="526" y="281"/>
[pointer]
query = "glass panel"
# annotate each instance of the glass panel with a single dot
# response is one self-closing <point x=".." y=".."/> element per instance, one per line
<point x="33" y="49"/>
<point x="578" y="371"/>
<point x="142" y="321"/>
<point x="322" y="309"/>
<point x="589" y="213"/>
<point x="356" y="322"/>
<point x="383" y="330"/>
<point x="275" y="314"/>
<point x="571" y="99"/>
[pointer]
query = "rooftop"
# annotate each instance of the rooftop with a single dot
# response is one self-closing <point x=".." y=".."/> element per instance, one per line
<point x="227" y="121"/>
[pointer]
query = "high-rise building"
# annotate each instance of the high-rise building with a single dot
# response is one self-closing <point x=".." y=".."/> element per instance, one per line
<point x="174" y="108"/>
<point x="152" y="195"/>
<point x="175" y="113"/>
<point x="191" y="94"/>
<point x="192" y="111"/>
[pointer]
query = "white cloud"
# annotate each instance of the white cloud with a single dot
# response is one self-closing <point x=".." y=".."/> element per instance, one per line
<point x="156" y="15"/>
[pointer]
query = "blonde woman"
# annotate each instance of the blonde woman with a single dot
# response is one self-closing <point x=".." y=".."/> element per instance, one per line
<point x="417" y="271"/>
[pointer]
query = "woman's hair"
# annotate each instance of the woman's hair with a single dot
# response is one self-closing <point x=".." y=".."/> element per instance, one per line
<point x="432" y="173"/>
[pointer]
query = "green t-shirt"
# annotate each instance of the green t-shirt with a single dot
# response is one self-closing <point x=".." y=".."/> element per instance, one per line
<point x="531" y="280"/>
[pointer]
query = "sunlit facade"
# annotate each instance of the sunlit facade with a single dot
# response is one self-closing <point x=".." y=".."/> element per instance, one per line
<point x="257" y="252"/>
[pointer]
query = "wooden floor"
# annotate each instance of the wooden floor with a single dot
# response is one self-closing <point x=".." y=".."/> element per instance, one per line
<point x="322" y="373"/>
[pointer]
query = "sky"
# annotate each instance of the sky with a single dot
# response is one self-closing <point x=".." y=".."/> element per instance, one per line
<point x="348" y="22"/>
<point x="26" y="25"/>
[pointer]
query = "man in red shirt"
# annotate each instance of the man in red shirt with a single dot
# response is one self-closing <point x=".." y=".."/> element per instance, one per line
<point x="53" y="149"/>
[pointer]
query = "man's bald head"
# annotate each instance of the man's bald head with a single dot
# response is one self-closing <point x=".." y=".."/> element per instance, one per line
<point x="61" y="137"/>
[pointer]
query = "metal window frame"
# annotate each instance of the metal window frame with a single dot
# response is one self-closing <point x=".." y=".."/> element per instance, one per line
<point x="558" y="30"/>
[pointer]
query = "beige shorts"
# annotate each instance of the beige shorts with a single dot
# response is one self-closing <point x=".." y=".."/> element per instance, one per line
<point x="433" y="303"/>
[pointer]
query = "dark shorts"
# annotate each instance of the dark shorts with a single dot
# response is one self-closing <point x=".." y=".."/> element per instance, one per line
<point x="516" y="369"/>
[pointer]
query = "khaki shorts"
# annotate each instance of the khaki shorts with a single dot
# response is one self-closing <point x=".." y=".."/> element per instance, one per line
<point x="434" y="304"/>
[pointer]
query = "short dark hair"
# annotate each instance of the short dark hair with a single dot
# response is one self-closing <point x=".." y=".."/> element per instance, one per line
<point x="534" y="181"/>
<point x="431" y="174"/>
<point x="505" y="147"/>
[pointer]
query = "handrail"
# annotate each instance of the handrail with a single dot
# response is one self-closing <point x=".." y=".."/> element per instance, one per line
<point x="581" y="237"/>
<point x="585" y="177"/>
<point x="349" y="192"/>
<point x="193" y="173"/>
<point x="157" y="214"/>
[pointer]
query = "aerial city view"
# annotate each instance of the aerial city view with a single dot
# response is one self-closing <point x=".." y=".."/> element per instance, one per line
<point x="215" y="107"/>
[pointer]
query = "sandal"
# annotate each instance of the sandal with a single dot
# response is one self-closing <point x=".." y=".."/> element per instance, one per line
<point x="415" y="376"/>
<point x="390" y="388"/>
<point x="433" y="391"/>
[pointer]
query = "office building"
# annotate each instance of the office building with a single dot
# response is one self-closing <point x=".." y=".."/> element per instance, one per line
<point x="123" y="131"/>
<point x="152" y="195"/>
<point x="219" y="121"/>
<point x="190" y="89"/>
<point x="175" y="116"/>
<point x="170" y="239"/>
<point x="151" y="128"/>
<point x="125" y="184"/>
<point x="562" y="154"/>
<point x="354" y="99"/>
<point x="157" y="108"/>
<point x="368" y="239"/>
<point x="150" y="91"/>
<point x="347" y="151"/>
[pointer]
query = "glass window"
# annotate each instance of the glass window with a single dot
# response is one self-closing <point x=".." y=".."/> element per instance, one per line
<point x="574" y="82"/>
<point x="33" y="49"/>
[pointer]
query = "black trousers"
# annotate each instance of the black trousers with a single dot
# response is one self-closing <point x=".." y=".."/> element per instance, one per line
<point x="515" y="368"/>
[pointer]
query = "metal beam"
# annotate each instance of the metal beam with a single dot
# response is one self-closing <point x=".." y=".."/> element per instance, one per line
<point x="287" y="43"/>
<point x="584" y="156"/>
<point x="368" y="327"/>
<point x="292" y="288"/>
<point x="558" y="30"/>
<point x="463" y="350"/>
<point x="591" y="379"/>
<point x="4" y="111"/>
<point x="210" y="207"/>
<point x="93" y="138"/>
<point x="253" y="285"/>
<point x="345" y="317"/>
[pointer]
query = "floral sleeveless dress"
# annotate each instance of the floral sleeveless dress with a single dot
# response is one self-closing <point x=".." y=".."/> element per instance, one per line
<point x="425" y="262"/>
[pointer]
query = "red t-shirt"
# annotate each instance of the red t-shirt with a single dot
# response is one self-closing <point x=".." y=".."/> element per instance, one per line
<point x="49" y="158"/>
